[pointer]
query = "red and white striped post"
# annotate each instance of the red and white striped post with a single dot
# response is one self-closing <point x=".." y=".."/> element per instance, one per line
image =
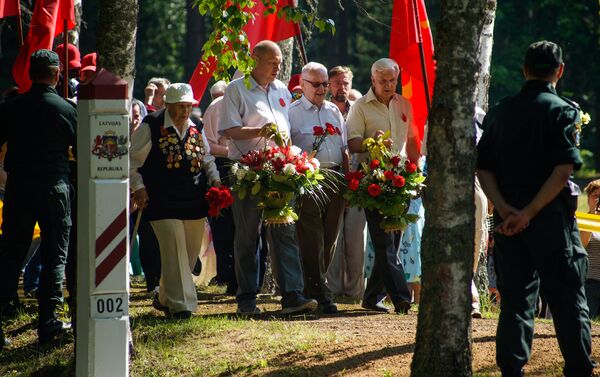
<point x="102" y="233"/>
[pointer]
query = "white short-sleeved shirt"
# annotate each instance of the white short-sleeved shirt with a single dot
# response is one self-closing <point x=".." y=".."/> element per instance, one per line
<point x="368" y="115"/>
<point x="304" y="116"/>
<point x="253" y="107"/>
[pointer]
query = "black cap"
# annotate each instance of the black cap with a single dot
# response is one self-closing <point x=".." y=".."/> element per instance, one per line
<point x="543" y="57"/>
<point x="44" y="59"/>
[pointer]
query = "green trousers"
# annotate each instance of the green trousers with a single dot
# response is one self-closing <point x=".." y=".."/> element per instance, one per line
<point x="548" y="254"/>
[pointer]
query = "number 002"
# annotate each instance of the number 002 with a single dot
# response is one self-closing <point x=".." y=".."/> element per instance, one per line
<point x="109" y="305"/>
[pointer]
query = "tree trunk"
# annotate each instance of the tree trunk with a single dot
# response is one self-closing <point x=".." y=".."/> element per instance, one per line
<point x="486" y="41"/>
<point x="443" y="345"/>
<point x="287" y="52"/>
<point x="117" y="25"/>
<point x="194" y="38"/>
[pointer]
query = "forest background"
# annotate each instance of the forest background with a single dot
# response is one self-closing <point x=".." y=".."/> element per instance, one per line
<point x="171" y="32"/>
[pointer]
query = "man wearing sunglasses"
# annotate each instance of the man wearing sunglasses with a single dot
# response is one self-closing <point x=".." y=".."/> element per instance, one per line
<point x="320" y="217"/>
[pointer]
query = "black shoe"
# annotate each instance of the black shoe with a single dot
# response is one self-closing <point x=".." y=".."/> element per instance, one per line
<point x="158" y="306"/>
<point x="302" y="305"/>
<point x="328" y="307"/>
<point x="54" y="331"/>
<point x="402" y="307"/>
<point x="186" y="314"/>
<point x="378" y="307"/>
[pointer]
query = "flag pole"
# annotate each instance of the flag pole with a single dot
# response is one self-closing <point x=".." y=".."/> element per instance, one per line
<point x="422" y="55"/>
<point x="66" y="59"/>
<point x="300" y="40"/>
<point x="19" y="24"/>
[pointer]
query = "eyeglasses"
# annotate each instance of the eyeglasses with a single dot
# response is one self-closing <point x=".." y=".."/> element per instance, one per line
<point x="315" y="85"/>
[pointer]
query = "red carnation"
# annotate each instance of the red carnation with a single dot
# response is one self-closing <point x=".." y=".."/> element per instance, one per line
<point x="395" y="160"/>
<point x="399" y="181"/>
<point x="338" y="131"/>
<point x="330" y="129"/>
<point x="411" y="167"/>
<point x="374" y="190"/>
<point x="388" y="174"/>
<point x="374" y="164"/>
<point x="353" y="184"/>
<point x="318" y="131"/>
<point x="282" y="102"/>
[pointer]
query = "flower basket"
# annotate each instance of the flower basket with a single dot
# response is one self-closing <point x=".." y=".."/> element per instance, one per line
<point x="385" y="182"/>
<point x="276" y="175"/>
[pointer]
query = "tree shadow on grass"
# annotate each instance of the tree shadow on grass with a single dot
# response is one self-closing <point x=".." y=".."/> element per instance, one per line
<point x="348" y="364"/>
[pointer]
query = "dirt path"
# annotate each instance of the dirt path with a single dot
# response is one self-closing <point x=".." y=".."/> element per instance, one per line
<point x="369" y="344"/>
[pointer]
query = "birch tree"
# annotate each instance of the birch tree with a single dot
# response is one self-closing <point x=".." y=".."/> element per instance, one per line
<point x="117" y="26"/>
<point x="443" y="345"/>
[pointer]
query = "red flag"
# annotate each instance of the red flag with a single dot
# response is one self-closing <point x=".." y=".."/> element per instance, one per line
<point x="9" y="8"/>
<point x="46" y="23"/>
<point x="404" y="49"/>
<point x="264" y="27"/>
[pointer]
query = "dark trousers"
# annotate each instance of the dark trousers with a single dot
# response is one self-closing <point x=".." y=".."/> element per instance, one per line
<point x="388" y="274"/>
<point x="317" y="229"/>
<point x="547" y="254"/>
<point x="223" y="228"/>
<point x="25" y="203"/>
<point x="149" y="253"/>
<point x="31" y="274"/>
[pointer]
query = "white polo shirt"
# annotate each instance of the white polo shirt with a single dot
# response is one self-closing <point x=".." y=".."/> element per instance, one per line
<point x="304" y="116"/>
<point x="253" y="107"/>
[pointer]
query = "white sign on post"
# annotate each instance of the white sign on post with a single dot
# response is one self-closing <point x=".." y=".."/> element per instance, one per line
<point x="110" y="139"/>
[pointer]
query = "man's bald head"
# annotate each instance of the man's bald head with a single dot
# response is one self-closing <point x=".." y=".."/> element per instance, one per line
<point x="264" y="48"/>
<point x="267" y="57"/>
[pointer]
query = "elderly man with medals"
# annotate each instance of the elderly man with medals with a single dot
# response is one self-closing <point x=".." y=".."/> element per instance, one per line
<point x="171" y="167"/>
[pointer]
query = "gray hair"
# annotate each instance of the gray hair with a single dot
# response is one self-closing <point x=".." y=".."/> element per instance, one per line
<point x="385" y="64"/>
<point x="218" y="89"/>
<point x="314" y="67"/>
<point x="160" y="81"/>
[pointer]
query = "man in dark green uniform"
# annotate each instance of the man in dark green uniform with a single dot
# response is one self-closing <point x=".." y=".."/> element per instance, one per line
<point x="526" y="156"/>
<point x="39" y="127"/>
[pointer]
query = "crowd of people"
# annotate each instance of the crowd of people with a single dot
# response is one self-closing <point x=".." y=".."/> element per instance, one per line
<point x="332" y="250"/>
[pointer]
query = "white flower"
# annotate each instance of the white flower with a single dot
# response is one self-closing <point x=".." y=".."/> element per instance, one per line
<point x="315" y="163"/>
<point x="310" y="167"/>
<point x="289" y="169"/>
<point x="234" y="169"/>
<point x="279" y="155"/>
<point x="241" y="173"/>
<point x="294" y="150"/>
<point x="378" y="173"/>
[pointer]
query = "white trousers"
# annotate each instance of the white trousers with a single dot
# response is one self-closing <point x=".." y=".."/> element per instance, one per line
<point x="180" y="242"/>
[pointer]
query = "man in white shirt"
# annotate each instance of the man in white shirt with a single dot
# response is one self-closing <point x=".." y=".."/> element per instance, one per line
<point x="222" y="226"/>
<point x="245" y="112"/>
<point x="381" y="110"/>
<point x="345" y="275"/>
<point x="319" y="217"/>
<point x="170" y="169"/>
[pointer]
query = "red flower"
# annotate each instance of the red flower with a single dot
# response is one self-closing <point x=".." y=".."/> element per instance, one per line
<point x="404" y="117"/>
<point x="353" y="184"/>
<point x="411" y="167"/>
<point x="282" y="102"/>
<point x="338" y="131"/>
<point x="330" y="129"/>
<point x="399" y="181"/>
<point x="213" y="211"/>
<point x="388" y="174"/>
<point x="374" y="164"/>
<point x="395" y="160"/>
<point x="318" y="131"/>
<point x="374" y="190"/>
<point x="218" y="198"/>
